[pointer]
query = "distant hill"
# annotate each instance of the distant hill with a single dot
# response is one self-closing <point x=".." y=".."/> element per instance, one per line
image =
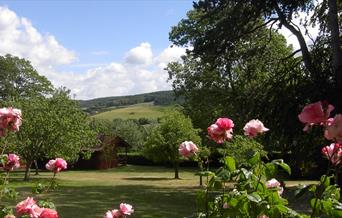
<point x="161" y="98"/>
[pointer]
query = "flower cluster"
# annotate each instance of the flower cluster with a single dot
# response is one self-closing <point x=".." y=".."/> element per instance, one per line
<point x="11" y="162"/>
<point x="125" y="209"/>
<point x="221" y="130"/>
<point x="56" y="165"/>
<point x="318" y="114"/>
<point x="30" y="208"/>
<point x="10" y="120"/>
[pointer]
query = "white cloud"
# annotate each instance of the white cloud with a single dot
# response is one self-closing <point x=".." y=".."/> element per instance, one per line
<point x="19" y="37"/>
<point x="140" y="71"/>
<point x="99" y="53"/>
<point x="141" y="55"/>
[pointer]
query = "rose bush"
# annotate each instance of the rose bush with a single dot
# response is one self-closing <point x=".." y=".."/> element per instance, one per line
<point x="256" y="192"/>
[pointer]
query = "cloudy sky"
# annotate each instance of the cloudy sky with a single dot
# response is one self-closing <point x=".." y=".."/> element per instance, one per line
<point x="95" y="48"/>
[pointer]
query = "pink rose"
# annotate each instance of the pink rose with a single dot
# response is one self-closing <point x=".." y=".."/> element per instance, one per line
<point x="113" y="214"/>
<point x="222" y="130"/>
<point x="315" y="113"/>
<point x="273" y="183"/>
<point x="254" y="127"/>
<point x="12" y="162"/>
<point x="334" y="129"/>
<point x="224" y="123"/>
<point x="56" y="165"/>
<point x="126" y="209"/>
<point x="225" y="205"/>
<point x="10" y="119"/>
<point x="187" y="149"/>
<point x="48" y="213"/>
<point x="333" y="153"/>
<point x="28" y="207"/>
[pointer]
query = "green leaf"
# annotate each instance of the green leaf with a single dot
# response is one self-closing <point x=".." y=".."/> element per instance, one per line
<point x="283" y="165"/>
<point x="230" y="163"/>
<point x="325" y="180"/>
<point x="205" y="173"/>
<point x="302" y="189"/>
<point x="255" y="159"/>
<point x="254" y="197"/>
<point x="271" y="170"/>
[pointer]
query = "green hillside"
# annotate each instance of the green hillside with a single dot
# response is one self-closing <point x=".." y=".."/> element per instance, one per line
<point x="161" y="98"/>
<point x="143" y="110"/>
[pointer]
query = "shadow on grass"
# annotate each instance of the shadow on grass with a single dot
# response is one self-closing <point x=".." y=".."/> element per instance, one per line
<point x="143" y="178"/>
<point x="148" y="201"/>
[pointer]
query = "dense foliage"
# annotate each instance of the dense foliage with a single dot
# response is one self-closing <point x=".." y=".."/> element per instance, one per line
<point x="239" y="66"/>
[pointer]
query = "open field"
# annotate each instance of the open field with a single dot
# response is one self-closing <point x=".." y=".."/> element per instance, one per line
<point x="151" y="190"/>
<point x="143" y="110"/>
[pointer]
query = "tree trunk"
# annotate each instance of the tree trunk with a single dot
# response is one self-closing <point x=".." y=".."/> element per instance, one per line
<point x="27" y="170"/>
<point x="176" y="166"/>
<point x="335" y="41"/>
<point x="36" y="167"/>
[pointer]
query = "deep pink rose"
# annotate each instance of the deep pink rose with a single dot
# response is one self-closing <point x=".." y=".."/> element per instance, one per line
<point x="315" y="113"/>
<point x="56" y="165"/>
<point x="12" y="162"/>
<point x="48" y="213"/>
<point x="187" y="149"/>
<point x="126" y="209"/>
<point x="333" y="153"/>
<point x="254" y="127"/>
<point x="9" y="119"/>
<point x="224" y="123"/>
<point x="273" y="183"/>
<point x="28" y="207"/>
<point x="222" y="130"/>
<point x="334" y="129"/>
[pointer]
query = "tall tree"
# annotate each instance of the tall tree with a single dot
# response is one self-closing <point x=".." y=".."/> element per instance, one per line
<point x="18" y="79"/>
<point x="52" y="127"/>
<point x="163" y="141"/>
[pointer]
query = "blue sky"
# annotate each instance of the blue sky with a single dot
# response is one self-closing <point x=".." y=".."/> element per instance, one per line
<point x="86" y="45"/>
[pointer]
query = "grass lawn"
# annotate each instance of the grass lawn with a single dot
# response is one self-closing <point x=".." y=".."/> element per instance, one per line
<point x="151" y="190"/>
<point x="143" y="110"/>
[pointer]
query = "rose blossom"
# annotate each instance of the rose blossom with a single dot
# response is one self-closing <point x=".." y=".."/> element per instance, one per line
<point x="12" y="162"/>
<point x="333" y="153"/>
<point x="273" y="183"/>
<point x="253" y="127"/>
<point x="112" y="214"/>
<point x="56" y="165"/>
<point x="9" y="119"/>
<point x="222" y="130"/>
<point x="126" y="209"/>
<point x="187" y="149"/>
<point x="48" y="213"/>
<point x="334" y="129"/>
<point x="225" y="205"/>
<point x="315" y="113"/>
<point x="28" y="207"/>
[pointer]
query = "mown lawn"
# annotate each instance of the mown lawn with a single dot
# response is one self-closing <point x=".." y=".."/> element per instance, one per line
<point x="151" y="190"/>
<point x="143" y="110"/>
